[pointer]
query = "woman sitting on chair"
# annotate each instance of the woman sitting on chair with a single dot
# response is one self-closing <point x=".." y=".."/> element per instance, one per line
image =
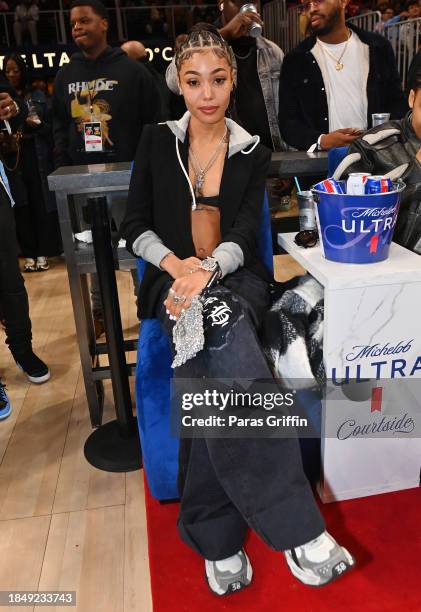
<point x="194" y="212"/>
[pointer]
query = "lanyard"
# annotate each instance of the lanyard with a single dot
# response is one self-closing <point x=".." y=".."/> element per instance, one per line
<point x="90" y="92"/>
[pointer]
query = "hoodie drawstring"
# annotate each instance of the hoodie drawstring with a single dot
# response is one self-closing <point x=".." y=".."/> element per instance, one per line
<point x="253" y="147"/>
<point x="194" y="205"/>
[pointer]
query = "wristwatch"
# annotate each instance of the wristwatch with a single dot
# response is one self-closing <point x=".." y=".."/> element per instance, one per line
<point x="210" y="264"/>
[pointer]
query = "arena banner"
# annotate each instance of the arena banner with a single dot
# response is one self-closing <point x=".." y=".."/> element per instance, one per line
<point x="45" y="61"/>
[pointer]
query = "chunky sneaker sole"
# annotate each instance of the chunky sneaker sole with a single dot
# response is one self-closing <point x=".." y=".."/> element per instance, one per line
<point x="5" y="412"/>
<point x="224" y="581"/>
<point x="35" y="369"/>
<point x="319" y="562"/>
<point x="5" y="407"/>
<point x="37" y="379"/>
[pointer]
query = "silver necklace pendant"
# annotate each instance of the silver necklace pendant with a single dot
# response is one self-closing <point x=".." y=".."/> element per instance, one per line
<point x="200" y="179"/>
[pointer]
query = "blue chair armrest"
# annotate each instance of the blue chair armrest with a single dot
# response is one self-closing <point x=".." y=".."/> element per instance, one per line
<point x="334" y="157"/>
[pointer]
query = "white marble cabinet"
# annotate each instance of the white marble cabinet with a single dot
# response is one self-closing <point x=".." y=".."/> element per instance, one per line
<point x="372" y="336"/>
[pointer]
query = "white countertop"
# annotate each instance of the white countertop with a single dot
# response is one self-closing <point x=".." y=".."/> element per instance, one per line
<point x="403" y="266"/>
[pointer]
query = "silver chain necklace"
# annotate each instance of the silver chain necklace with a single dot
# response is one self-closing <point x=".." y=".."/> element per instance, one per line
<point x="244" y="57"/>
<point x="200" y="173"/>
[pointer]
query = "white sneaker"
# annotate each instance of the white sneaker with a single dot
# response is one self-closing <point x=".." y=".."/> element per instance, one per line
<point x="320" y="561"/>
<point x="30" y="265"/>
<point x="42" y="264"/>
<point x="229" y="575"/>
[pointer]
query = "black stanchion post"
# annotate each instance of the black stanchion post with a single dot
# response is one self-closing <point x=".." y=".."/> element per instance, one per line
<point x="115" y="446"/>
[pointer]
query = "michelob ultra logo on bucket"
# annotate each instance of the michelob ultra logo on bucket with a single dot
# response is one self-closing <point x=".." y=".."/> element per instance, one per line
<point x="357" y="228"/>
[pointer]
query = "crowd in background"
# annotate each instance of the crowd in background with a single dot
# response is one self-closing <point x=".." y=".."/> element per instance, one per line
<point x="168" y="18"/>
<point x="398" y="7"/>
<point x="355" y="7"/>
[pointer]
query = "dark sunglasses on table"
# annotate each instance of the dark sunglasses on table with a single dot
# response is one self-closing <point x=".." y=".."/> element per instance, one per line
<point x="307" y="238"/>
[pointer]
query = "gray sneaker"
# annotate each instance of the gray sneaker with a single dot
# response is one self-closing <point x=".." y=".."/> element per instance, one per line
<point x="229" y="575"/>
<point x="320" y="561"/>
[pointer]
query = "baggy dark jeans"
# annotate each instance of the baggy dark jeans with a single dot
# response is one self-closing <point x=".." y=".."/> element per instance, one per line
<point x="13" y="296"/>
<point x="227" y="485"/>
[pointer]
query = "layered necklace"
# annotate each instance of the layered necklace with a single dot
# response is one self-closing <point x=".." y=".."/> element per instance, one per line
<point x="338" y="60"/>
<point x="199" y="172"/>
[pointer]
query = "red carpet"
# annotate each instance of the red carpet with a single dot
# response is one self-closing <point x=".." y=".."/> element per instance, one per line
<point x="383" y="532"/>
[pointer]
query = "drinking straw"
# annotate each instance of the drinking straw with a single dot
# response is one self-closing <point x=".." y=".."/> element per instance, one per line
<point x="297" y="184"/>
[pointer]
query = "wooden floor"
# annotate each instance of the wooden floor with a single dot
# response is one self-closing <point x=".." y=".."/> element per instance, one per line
<point x="65" y="525"/>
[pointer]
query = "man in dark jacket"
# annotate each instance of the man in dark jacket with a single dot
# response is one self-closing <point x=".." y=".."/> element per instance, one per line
<point x="334" y="80"/>
<point x="101" y="101"/>
<point x="397" y="146"/>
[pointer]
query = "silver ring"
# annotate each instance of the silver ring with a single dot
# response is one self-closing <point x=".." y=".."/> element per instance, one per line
<point x="171" y="291"/>
<point x="178" y="299"/>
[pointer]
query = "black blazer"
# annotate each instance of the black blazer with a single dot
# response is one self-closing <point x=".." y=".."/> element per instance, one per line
<point x="303" y="109"/>
<point x="160" y="200"/>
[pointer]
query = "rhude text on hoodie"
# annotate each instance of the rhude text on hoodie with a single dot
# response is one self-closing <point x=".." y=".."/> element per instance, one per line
<point x="121" y="95"/>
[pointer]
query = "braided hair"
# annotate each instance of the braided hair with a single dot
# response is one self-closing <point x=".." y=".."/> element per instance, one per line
<point x="203" y="37"/>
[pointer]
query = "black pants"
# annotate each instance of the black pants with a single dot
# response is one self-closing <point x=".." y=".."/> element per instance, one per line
<point x="37" y="231"/>
<point x="13" y="296"/>
<point x="226" y="484"/>
<point x="37" y="228"/>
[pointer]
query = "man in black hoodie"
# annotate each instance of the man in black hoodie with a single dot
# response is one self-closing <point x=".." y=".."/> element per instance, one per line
<point x="99" y="86"/>
<point x="101" y="101"/>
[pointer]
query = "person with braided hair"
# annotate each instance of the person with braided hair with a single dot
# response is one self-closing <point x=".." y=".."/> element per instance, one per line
<point x="193" y="214"/>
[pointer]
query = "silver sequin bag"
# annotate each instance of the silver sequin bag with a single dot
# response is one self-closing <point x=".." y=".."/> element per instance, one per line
<point x="188" y="334"/>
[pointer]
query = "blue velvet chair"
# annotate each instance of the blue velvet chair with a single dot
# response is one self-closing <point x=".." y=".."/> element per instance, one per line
<point x="334" y="157"/>
<point x="153" y="378"/>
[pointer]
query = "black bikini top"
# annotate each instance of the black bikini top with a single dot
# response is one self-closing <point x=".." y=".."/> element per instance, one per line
<point x="208" y="200"/>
